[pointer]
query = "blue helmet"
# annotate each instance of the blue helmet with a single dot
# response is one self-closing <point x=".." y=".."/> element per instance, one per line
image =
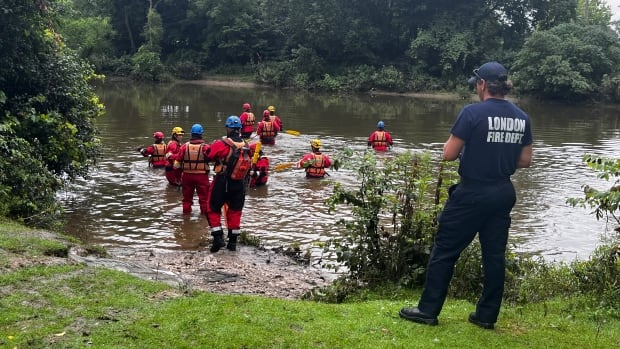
<point x="233" y="121"/>
<point x="380" y="124"/>
<point x="197" y="129"/>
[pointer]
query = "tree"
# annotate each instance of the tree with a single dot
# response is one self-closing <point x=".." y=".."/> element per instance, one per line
<point x="593" y="12"/>
<point x="567" y="62"/>
<point x="85" y="29"/>
<point x="47" y="109"/>
<point x="127" y="18"/>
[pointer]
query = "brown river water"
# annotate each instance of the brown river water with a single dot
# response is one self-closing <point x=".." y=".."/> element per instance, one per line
<point x="126" y="204"/>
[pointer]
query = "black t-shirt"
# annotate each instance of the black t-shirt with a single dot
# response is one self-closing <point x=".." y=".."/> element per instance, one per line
<point x="494" y="131"/>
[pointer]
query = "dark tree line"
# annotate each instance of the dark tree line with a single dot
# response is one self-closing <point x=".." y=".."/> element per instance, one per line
<point x="399" y="45"/>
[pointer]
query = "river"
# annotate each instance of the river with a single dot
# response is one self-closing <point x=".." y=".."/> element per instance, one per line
<point x="124" y="203"/>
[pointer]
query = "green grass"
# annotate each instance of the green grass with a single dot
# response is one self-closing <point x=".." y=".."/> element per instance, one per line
<point x="74" y="306"/>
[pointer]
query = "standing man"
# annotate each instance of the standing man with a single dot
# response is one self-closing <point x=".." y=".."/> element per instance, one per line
<point x="233" y="161"/>
<point x="492" y="139"/>
<point x="380" y="139"/>
<point x="247" y="121"/>
<point x="173" y="175"/>
<point x="191" y="159"/>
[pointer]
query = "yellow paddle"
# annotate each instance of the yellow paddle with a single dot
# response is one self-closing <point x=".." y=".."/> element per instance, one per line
<point x="292" y="132"/>
<point x="256" y="153"/>
<point x="283" y="166"/>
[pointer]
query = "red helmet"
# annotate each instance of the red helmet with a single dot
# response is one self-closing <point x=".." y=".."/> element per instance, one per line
<point x="247" y="106"/>
<point x="158" y="135"/>
<point x="266" y="113"/>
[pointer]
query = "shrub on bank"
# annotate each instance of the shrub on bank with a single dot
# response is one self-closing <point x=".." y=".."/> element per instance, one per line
<point x="389" y="237"/>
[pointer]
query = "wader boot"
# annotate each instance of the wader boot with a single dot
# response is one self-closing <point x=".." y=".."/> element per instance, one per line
<point x="218" y="240"/>
<point x="233" y="234"/>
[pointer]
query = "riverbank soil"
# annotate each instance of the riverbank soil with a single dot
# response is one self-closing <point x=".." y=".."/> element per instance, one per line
<point x="248" y="271"/>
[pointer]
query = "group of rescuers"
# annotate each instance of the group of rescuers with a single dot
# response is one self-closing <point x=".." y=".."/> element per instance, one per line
<point x="491" y="139"/>
<point x="236" y="164"/>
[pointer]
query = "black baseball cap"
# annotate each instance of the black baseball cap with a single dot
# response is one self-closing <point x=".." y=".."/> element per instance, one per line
<point x="490" y="71"/>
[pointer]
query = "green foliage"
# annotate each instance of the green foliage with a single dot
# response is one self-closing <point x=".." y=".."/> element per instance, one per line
<point x="91" y="37"/>
<point x="443" y="47"/>
<point x="329" y="83"/>
<point x="153" y="31"/>
<point x="567" y="62"/>
<point x="360" y="77"/>
<point x="276" y="74"/>
<point x="148" y="66"/>
<point x="389" y="237"/>
<point x="307" y="61"/>
<point x="187" y="70"/>
<point x="400" y="47"/>
<point x="20" y="172"/>
<point x="599" y="277"/>
<point x="120" y="66"/>
<point x="605" y="203"/>
<point x="301" y="81"/>
<point x="46" y="117"/>
<point x="610" y="88"/>
<point x="390" y="79"/>
<point x="185" y="64"/>
<point x="595" y="12"/>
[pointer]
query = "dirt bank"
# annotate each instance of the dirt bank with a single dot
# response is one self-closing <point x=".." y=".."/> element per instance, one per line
<point x="248" y="270"/>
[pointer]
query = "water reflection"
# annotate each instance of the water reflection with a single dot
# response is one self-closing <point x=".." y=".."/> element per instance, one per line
<point x="126" y="203"/>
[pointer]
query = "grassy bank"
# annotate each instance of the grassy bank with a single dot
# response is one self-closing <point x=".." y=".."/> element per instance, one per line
<point x="48" y="302"/>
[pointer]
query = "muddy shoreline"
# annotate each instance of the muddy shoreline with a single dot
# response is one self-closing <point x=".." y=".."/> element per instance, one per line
<point x="248" y="271"/>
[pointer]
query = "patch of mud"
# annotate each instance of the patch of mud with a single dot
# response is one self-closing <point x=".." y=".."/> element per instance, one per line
<point x="247" y="271"/>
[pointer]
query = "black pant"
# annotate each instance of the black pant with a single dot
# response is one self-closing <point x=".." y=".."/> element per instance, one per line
<point x="482" y="208"/>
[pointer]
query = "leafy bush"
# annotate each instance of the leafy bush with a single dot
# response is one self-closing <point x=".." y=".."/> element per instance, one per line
<point x="47" y="112"/>
<point x="301" y="81"/>
<point x="360" y="78"/>
<point x="393" y="221"/>
<point x="606" y="203"/>
<point x="599" y="276"/>
<point x="276" y="74"/>
<point x="22" y="170"/>
<point x="148" y="66"/>
<point x="186" y="70"/>
<point x="610" y="88"/>
<point x="329" y="83"/>
<point x="390" y="79"/>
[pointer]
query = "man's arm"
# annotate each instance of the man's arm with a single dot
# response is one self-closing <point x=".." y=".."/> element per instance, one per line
<point x="525" y="159"/>
<point x="452" y="148"/>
